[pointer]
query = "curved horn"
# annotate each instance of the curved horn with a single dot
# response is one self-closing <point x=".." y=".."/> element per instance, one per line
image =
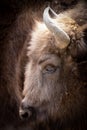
<point x="61" y="36"/>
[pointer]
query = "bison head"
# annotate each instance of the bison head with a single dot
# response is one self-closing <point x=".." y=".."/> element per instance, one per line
<point x="55" y="85"/>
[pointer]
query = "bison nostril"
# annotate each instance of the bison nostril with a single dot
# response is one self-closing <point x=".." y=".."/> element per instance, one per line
<point x="26" y="111"/>
<point x="25" y="114"/>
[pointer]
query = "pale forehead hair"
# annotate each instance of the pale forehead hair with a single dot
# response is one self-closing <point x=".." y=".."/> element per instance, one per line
<point x="41" y="35"/>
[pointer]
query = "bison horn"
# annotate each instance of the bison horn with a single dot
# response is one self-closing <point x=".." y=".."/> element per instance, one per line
<point x="62" y="37"/>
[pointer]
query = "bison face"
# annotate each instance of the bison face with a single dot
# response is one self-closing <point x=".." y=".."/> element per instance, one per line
<point x="53" y="87"/>
<point x="42" y="86"/>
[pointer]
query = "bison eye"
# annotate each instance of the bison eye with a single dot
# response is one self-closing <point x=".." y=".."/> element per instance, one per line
<point x="49" y="69"/>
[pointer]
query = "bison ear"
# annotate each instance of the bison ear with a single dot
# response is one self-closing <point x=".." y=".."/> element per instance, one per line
<point x="82" y="46"/>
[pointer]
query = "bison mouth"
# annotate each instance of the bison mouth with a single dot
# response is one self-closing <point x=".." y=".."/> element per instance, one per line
<point x="33" y="115"/>
<point x="39" y="118"/>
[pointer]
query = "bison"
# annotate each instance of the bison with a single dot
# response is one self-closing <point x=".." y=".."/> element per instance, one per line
<point x="15" y="25"/>
<point x="55" y="84"/>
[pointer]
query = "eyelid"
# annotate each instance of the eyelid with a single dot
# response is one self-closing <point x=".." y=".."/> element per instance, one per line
<point x="43" y="60"/>
<point x="49" y="62"/>
<point x="46" y="57"/>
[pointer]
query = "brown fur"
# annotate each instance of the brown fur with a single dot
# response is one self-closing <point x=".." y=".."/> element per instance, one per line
<point x="57" y="98"/>
<point x="15" y="24"/>
<point x="13" y="32"/>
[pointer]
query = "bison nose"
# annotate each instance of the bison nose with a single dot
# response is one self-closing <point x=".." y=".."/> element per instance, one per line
<point x="25" y="112"/>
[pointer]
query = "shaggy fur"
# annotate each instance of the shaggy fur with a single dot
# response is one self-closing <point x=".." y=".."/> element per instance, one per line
<point x="15" y="26"/>
<point x="55" y="80"/>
